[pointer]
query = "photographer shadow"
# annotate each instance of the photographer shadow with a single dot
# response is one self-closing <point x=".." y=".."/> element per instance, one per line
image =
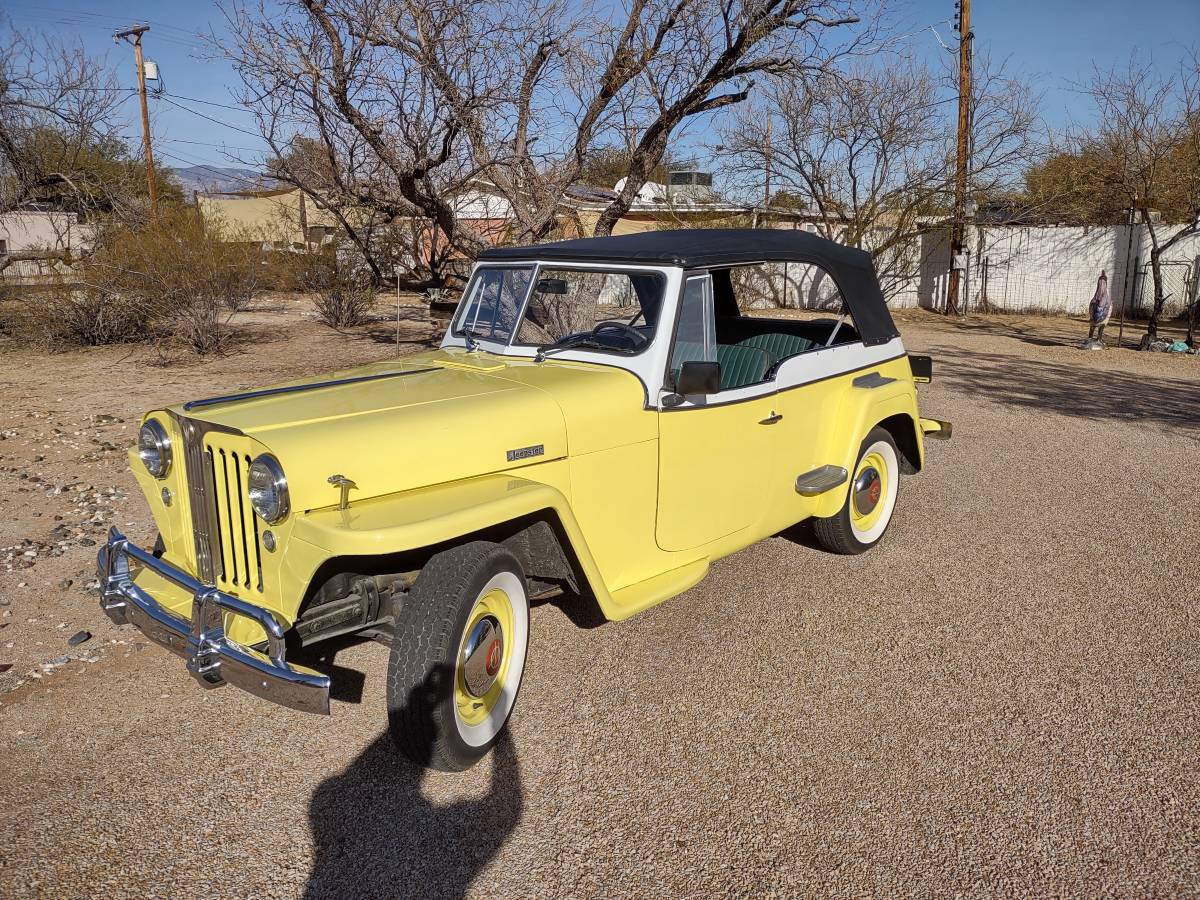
<point x="376" y="835"/>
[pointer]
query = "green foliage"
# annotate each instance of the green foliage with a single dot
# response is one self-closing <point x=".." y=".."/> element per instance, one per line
<point x="92" y="175"/>
<point x="173" y="279"/>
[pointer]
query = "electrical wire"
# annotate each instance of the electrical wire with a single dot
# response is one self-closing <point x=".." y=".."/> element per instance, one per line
<point x="195" y="112"/>
<point x="240" y="109"/>
<point x="214" y="170"/>
<point x="208" y="144"/>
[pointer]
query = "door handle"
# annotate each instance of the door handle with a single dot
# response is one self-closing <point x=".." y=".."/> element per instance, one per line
<point x="771" y="419"/>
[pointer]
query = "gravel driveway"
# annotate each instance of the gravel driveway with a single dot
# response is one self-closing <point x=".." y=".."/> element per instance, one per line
<point x="1002" y="698"/>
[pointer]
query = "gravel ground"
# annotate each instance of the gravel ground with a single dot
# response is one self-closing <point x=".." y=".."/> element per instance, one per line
<point x="1002" y="698"/>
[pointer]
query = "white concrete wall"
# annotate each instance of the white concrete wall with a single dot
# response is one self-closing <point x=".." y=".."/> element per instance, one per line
<point x="25" y="231"/>
<point x="1053" y="269"/>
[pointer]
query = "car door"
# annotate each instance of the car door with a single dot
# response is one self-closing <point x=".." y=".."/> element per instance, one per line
<point x="716" y="451"/>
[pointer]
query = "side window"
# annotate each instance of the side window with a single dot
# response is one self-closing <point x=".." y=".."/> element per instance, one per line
<point x="785" y="310"/>
<point x="696" y="334"/>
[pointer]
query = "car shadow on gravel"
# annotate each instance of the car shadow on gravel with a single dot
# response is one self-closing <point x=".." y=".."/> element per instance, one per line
<point x="1074" y="390"/>
<point x="375" y="833"/>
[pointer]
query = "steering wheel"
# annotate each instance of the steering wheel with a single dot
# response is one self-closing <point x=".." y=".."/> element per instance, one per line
<point x="635" y="337"/>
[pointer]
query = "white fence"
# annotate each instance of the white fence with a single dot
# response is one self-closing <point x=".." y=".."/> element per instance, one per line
<point x="1053" y="269"/>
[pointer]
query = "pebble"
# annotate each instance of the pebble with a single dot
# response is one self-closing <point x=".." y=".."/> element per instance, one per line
<point x="78" y="638"/>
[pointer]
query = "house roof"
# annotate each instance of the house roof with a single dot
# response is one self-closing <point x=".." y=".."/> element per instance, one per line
<point x="711" y="248"/>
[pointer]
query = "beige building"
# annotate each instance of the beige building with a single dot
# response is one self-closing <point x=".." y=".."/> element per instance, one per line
<point x="284" y="219"/>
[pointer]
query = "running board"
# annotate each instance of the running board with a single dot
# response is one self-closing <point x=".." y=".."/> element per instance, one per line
<point x="820" y="480"/>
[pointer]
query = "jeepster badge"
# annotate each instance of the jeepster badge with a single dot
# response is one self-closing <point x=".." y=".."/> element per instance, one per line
<point x="526" y="452"/>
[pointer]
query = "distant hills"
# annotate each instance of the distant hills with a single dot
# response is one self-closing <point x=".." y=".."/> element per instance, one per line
<point x="219" y="179"/>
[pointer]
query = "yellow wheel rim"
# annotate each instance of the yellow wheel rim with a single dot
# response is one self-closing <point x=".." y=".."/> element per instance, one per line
<point x="869" y="491"/>
<point x="492" y="607"/>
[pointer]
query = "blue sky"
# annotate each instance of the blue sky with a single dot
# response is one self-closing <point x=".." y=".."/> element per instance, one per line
<point x="1053" y="41"/>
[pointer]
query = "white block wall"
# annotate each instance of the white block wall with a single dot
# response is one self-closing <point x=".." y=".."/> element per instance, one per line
<point x="1052" y="269"/>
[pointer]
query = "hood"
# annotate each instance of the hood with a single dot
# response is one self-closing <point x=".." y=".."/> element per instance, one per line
<point x="394" y="426"/>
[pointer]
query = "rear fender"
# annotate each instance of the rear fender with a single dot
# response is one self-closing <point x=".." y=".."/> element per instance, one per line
<point x="895" y="411"/>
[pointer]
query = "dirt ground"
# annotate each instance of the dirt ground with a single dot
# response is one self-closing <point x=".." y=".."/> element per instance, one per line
<point x="1003" y="697"/>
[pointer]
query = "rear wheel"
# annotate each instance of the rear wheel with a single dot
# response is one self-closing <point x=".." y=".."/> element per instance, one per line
<point x="861" y="522"/>
<point x="458" y="655"/>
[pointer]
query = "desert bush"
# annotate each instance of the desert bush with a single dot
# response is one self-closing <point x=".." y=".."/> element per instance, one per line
<point x="341" y="299"/>
<point x="172" y="277"/>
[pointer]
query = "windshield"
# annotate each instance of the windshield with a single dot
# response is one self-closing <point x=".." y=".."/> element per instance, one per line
<point x="589" y="309"/>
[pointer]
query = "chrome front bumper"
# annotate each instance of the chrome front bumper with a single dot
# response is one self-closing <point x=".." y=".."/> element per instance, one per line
<point x="211" y="657"/>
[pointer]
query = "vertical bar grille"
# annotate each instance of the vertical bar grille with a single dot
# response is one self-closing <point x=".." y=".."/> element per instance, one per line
<point x="236" y="529"/>
<point x="228" y="551"/>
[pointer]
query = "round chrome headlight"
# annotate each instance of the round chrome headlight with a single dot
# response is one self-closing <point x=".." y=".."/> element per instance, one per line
<point x="154" y="448"/>
<point x="268" y="489"/>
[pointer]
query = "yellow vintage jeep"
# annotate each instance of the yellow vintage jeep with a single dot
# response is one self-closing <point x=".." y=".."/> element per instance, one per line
<point x="602" y="418"/>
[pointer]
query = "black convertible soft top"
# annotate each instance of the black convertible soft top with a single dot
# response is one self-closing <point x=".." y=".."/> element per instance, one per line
<point x="715" y="248"/>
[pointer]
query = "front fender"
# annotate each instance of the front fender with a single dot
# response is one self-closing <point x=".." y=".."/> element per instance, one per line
<point x="425" y="517"/>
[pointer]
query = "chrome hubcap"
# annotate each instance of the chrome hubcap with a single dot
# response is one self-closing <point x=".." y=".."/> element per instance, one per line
<point x="482" y="654"/>
<point x="867" y="489"/>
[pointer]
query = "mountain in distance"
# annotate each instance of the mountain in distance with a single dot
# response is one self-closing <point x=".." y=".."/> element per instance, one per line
<point x="220" y="179"/>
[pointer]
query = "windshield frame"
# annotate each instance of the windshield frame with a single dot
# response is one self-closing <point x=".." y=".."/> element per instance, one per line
<point x="538" y="266"/>
<point x="458" y="326"/>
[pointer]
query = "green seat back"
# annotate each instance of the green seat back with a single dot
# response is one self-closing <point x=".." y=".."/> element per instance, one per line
<point x="779" y="344"/>
<point x="740" y="366"/>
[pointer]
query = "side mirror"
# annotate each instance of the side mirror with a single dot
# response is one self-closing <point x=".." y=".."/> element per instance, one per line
<point x="698" y="377"/>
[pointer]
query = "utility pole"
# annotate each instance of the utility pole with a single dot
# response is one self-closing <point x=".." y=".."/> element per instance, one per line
<point x="958" y="227"/>
<point x="134" y="37"/>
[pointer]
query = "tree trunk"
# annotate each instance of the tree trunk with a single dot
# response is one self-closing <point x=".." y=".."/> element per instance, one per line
<point x="1159" y="298"/>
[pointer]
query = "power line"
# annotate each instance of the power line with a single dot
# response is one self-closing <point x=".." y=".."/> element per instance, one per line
<point x="216" y="171"/>
<point x="240" y="109"/>
<point x="104" y="17"/>
<point x="217" y="146"/>
<point x="196" y="112"/>
<point x="96" y="25"/>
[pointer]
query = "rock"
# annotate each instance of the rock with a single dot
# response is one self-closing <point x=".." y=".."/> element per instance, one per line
<point x="66" y="583"/>
<point x="56" y="662"/>
<point x="78" y="638"/>
<point x="87" y="542"/>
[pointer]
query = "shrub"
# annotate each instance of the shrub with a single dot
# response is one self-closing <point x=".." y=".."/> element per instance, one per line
<point x="342" y="299"/>
<point x="171" y="277"/>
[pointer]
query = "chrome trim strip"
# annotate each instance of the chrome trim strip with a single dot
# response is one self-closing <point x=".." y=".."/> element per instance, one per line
<point x="271" y="392"/>
<point x="212" y="658"/>
<point x="201" y="496"/>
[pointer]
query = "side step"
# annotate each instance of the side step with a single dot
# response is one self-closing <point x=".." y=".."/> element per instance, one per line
<point x="820" y="480"/>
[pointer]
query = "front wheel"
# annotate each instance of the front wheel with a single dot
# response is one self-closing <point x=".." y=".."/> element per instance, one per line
<point x="864" y="517"/>
<point x="458" y="653"/>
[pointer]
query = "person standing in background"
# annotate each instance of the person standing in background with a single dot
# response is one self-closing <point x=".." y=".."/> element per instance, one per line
<point x="1099" y="309"/>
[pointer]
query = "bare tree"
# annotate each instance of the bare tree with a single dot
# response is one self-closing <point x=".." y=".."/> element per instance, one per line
<point x="58" y="124"/>
<point x="1146" y="146"/>
<point x="868" y="151"/>
<point x="60" y="146"/>
<point x="408" y="105"/>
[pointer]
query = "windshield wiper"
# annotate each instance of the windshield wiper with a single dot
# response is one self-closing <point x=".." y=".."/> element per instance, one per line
<point x="471" y="333"/>
<point x="574" y="342"/>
